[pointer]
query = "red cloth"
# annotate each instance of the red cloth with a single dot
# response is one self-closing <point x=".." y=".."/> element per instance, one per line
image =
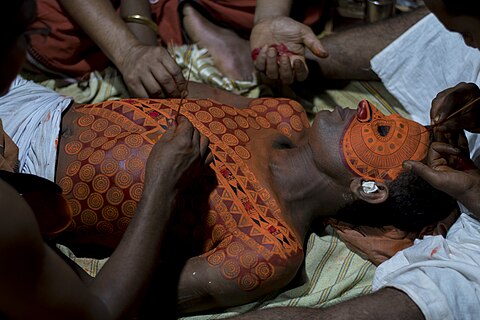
<point x="69" y="51"/>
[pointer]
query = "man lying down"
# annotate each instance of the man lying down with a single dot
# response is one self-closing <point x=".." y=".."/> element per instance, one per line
<point x="242" y="230"/>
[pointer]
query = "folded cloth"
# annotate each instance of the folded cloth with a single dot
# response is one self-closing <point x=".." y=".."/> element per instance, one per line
<point x="31" y="116"/>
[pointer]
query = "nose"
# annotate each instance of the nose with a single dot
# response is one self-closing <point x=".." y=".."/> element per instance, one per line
<point x="362" y="110"/>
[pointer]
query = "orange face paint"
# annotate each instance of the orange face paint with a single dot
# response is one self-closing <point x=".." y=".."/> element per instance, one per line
<point x="374" y="146"/>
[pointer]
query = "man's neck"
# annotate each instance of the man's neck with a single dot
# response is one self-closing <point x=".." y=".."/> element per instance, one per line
<point x="293" y="181"/>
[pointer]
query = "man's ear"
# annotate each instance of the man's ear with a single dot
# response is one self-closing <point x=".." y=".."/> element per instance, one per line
<point x="377" y="196"/>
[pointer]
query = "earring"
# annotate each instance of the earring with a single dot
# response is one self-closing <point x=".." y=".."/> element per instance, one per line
<point x="369" y="186"/>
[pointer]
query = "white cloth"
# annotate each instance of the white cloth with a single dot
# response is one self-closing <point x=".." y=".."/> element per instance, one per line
<point x="423" y="61"/>
<point x="441" y="275"/>
<point x="31" y="116"/>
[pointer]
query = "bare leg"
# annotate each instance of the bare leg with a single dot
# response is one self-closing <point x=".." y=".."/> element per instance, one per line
<point x="230" y="53"/>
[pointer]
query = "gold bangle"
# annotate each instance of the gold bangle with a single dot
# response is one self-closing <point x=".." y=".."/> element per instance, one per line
<point x="136" y="18"/>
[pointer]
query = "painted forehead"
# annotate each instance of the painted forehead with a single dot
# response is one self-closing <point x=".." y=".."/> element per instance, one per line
<point x="374" y="146"/>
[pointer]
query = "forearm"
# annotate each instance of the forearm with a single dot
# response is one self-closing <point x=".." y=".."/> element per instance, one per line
<point x="268" y="9"/>
<point x="103" y="25"/>
<point x="142" y="32"/>
<point x="385" y="304"/>
<point x="351" y="50"/>
<point x="138" y="254"/>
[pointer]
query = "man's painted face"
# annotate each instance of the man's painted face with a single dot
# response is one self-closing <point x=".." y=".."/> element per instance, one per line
<point x="374" y="146"/>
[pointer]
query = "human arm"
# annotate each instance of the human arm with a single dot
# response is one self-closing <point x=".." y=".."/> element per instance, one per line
<point x="387" y="303"/>
<point x="451" y="100"/>
<point x="449" y="167"/>
<point x="148" y="70"/>
<point x="350" y="50"/>
<point x="141" y="31"/>
<point x="451" y="171"/>
<point x="228" y="277"/>
<point x="278" y="42"/>
<point x="37" y="276"/>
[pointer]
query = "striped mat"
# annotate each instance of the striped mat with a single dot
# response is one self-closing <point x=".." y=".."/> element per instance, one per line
<point x="332" y="273"/>
<point x="350" y="95"/>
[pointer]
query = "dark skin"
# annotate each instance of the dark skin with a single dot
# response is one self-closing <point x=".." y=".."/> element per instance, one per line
<point x="37" y="273"/>
<point x="53" y="288"/>
<point x="275" y="159"/>
<point x="464" y="185"/>
<point x="439" y="172"/>
<point x="292" y="169"/>
<point x="146" y="67"/>
<point x="344" y="54"/>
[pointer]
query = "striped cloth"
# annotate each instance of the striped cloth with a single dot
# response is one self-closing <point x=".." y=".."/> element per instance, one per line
<point x="332" y="273"/>
<point x="355" y="91"/>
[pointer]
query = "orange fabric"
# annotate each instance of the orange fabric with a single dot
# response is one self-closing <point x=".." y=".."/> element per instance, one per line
<point x="380" y="244"/>
<point x="242" y="231"/>
<point x="71" y="53"/>
<point x="375" y="146"/>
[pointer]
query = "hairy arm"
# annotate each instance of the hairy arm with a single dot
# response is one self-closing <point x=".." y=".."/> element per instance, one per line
<point x="386" y="303"/>
<point x="351" y="50"/>
<point x="106" y="28"/>
<point x="147" y="69"/>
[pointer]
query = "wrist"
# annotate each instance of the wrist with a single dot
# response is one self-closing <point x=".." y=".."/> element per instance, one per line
<point x="470" y="199"/>
<point x="271" y="9"/>
<point x="267" y="18"/>
<point x="142" y="20"/>
<point x="125" y="54"/>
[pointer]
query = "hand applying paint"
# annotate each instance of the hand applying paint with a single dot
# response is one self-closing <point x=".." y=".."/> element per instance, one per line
<point x="449" y="167"/>
<point x="447" y="111"/>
